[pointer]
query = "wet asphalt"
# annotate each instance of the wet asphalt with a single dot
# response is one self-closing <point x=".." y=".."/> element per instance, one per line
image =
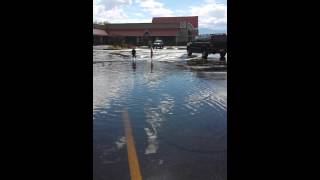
<point x="178" y="116"/>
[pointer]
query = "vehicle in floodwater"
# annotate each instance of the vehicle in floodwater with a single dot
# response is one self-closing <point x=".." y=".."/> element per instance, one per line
<point x="213" y="43"/>
<point x="158" y="44"/>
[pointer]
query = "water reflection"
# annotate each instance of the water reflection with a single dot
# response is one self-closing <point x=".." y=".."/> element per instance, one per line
<point x="134" y="65"/>
<point x="109" y="86"/>
<point x="152" y="79"/>
<point x="151" y="66"/>
<point x="121" y="142"/>
<point x="212" y="75"/>
<point x="205" y="96"/>
<point x="178" y="117"/>
<point x="155" y="117"/>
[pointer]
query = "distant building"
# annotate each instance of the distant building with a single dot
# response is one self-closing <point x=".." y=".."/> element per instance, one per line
<point x="193" y="20"/>
<point x="100" y="37"/>
<point x="172" y="30"/>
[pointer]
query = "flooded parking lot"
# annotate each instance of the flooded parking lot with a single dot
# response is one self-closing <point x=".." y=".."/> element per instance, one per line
<point x="178" y="116"/>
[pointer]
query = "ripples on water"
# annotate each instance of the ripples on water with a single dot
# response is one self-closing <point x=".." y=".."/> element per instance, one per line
<point x="175" y="114"/>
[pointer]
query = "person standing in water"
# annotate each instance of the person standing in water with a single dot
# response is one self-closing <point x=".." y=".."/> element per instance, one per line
<point x="133" y="54"/>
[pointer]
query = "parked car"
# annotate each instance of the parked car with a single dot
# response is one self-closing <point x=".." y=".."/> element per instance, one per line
<point x="157" y="44"/>
<point x="213" y="43"/>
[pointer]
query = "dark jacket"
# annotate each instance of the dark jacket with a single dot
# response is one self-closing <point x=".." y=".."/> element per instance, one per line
<point x="133" y="52"/>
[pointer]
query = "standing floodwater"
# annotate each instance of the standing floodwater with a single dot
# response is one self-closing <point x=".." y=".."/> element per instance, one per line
<point x="178" y="117"/>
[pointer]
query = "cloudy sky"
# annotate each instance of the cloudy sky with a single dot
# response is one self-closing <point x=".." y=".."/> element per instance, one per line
<point x="212" y="13"/>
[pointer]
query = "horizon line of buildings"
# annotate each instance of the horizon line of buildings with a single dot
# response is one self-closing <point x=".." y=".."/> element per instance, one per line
<point x="172" y="30"/>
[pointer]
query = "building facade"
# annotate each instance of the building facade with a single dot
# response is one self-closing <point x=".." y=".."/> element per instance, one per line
<point x="100" y="37"/>
<point x="193" y="20"/>
<point x="172" y="30"/>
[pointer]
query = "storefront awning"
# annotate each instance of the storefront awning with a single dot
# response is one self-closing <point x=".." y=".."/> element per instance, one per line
<point x="99" y="32"/>
<point x="140" y="33"/>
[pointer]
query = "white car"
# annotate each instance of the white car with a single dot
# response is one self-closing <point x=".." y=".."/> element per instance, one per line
<point x="157" y="44"/>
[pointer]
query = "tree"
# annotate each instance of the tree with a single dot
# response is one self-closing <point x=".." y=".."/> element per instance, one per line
<point x="105" y="22"/>
<point x="100" y="22"/>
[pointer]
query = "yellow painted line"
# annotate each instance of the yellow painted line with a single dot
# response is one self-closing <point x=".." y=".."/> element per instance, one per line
<point x="131" y="149"/>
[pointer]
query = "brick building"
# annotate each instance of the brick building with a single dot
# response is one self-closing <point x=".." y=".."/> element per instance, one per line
<point x="172" y="30"/>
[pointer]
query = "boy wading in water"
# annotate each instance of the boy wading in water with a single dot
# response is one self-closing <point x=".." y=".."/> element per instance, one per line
<point x="133" y="54"/>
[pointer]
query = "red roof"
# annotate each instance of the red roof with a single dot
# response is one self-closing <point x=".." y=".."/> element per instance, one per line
<point x="167" y="32"/>
<point x="99" y="32"/>
<point x="191" y="19"/>
<point x="141" y="32"/>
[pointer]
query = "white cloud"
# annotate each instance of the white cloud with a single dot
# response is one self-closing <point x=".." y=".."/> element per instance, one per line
<point x="101" y="14"/>
<point x="134" y="20"/>
<point x="112" y="11"/>
<point x="138" y="14"/>
<point x="211" y="15"/>
<point x="110" y="4"/>
<point x="154" y="7"/>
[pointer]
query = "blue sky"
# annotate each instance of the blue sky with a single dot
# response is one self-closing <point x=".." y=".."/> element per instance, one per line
<point x="212" y="13"/>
